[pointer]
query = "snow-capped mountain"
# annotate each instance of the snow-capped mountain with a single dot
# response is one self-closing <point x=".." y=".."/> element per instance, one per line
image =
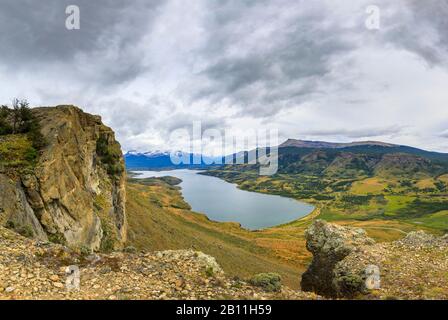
<point x="150" y="154"/>
<point x="162" y="160"/>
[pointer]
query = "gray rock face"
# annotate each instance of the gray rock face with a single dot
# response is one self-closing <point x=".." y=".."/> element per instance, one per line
<point x="330" y="244"/>
<point x="15" y="209"/>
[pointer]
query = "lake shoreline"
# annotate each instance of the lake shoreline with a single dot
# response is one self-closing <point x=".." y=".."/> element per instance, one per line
<point x="253" y="211"/>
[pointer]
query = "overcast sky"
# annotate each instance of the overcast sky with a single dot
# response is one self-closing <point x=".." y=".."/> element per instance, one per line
<point x="309" y="68"/>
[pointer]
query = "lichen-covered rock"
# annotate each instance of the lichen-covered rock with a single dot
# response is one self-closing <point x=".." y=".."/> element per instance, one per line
<point x="270" y="282"/>
<point x="347" y="264"/>
<point x="420" y="239"/>
<point x="76" y="192"/>
<point x="208" y="262"/>
<point x="329" y="245"/>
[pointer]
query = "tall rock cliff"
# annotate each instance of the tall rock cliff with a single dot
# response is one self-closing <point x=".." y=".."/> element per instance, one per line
<point x="75" y="193"/>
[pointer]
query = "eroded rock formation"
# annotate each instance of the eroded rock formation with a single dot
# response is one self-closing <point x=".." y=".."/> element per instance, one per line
<point x="76" y="192"/>
<point x="329" y="244"/>
<point x="347" y="263"/>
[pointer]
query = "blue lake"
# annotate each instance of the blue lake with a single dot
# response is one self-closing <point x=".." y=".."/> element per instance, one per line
<point x="224" y="202"/>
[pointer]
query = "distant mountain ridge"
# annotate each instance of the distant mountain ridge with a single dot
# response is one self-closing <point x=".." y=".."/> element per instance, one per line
<point x="366" y="147"/>
<point x="362" y="158"/>
<point x="348" y="160"/>
<point x="331" y="145"/>
<point x="162" y="160"/>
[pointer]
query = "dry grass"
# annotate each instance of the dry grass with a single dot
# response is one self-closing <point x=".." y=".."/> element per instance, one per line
<point x="443" y="178"/>
<point x="16" y="153"/>
<point x="370" y="185"/>
<point x="425" y="183"/>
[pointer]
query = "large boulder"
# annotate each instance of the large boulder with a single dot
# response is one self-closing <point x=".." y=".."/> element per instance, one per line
<point x="330" y="244"/>
<point x="347" y="264"/>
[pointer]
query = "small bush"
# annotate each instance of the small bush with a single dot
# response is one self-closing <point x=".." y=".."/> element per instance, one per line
<point x="350" y="285"/>
<point x="270" y="282"/>
<point x="10" y="225"/>
<point x="26" y="231"/>
<point x="110" y="156"/>
<point x="209" y="272"/>
<point x="57" y="238"/>
<point x="5" y="126"/>
<point x="85" y="251"/>
<point x="30" y="154"/>
<point x="130" y="249"/>
<point x="107" y="242"/>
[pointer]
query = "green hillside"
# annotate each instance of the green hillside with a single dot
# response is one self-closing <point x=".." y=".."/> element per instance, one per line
<point x="357" y="183"/>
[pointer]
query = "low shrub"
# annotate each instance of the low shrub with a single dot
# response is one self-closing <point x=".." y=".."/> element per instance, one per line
<point x="270" y="282"/>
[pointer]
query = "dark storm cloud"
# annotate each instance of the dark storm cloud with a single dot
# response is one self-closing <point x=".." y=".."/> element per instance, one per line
<point x="422" y="30"/>
<point x="33" y="34"/>
<point x="263" y="62"/>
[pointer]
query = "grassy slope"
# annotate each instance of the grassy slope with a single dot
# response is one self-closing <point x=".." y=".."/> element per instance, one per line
<point x="16" y="153"/>
<point x="159" y="219"/>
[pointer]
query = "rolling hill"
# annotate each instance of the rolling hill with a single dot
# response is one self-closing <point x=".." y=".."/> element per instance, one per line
<point x="358" y="159"/>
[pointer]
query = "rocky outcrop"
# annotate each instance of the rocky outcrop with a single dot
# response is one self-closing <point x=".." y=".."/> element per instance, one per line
<point x="329" y="244"/>
<point x="76" y="192"/>
<point x="347" y="263"/>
